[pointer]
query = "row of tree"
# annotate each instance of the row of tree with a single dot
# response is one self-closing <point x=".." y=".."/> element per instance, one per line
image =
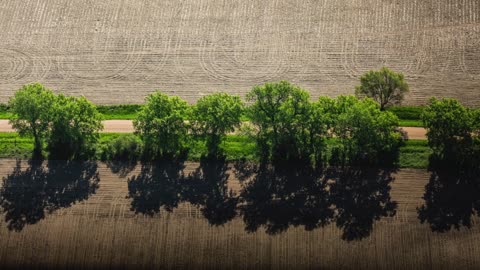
<point x="68" y="125"/>
<point x="72" y="124"/>
<point x="285" y="123"/>
<point x="296" y="139"/>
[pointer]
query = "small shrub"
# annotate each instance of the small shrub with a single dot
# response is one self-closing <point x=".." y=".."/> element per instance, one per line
<point x="126" y="147"/>
<point x="407" y="112"/>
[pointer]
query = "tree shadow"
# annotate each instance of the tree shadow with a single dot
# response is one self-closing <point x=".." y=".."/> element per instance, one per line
<point x="361" y="196"/>
<point x="276" y="197"/>
<point x="452" y="195"/>
<point x="158" y="185"/>
<point x="207" y="188"/>
<point x="28" y="195"/>
<point x="121" y="167"/>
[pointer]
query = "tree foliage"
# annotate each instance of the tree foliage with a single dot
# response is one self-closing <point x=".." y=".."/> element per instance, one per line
<point x="384" y="86"/>
<point x="367" y="135"/>
<point x="452" y="195"/>
<point x="214" y="116"/>
<point x="75" y="126"/>
<point x="290" y="127"/>
<point x="450" y="126"/>
<point x="69" y="125"/>
<point x="280" y="113"/>
<point x="32" y="107"/>
<point x="321" y="119"/>
<point x="162" y="125"/>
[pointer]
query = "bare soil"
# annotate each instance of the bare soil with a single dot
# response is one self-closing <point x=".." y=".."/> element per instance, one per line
<point x="116" y="52"/>
<point x="102" y="231"/>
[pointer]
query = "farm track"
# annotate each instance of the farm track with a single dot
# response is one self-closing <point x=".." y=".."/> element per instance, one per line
<point x="117" y="52"/>
<point x="103" y="231"/>
<point x="126" y="126"/>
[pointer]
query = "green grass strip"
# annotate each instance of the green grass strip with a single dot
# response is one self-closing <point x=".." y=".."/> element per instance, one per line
<point x="414" y="154"/>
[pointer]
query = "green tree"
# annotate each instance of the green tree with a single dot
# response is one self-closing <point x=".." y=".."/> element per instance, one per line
<point x="162" y="126"/>
<point x="280" y="114"/>
<point x="385" y="86"/>
<point x="214" y="116"/>
<point x="320" y="119"/>
<point x="75" y="126"/>
<point x="450" y="126"/>
<point x="476" y="115"/>
<point x="366" y="135"/>
<point x="452" y="195"/>
<point x="32" y="107"/>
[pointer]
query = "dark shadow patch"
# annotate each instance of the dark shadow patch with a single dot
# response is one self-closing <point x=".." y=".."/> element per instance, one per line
<point x="28" y="195"/>
<point x="361" y="196"/>
<point x="277" y="197"/>
<point x="157" y="186"/>
<point x="452" y="195"/>
<point x="207" y="188"/>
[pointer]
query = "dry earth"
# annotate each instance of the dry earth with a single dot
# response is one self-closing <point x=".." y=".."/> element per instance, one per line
<point x="102" y="231"/>
<point x="118" y="51"/>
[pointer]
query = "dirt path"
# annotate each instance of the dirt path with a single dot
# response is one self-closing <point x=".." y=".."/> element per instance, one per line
<point x="126" y="126"/>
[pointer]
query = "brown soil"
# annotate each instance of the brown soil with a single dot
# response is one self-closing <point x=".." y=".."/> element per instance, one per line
<point x="116" y="52"/>
<point x="103" y="231"/>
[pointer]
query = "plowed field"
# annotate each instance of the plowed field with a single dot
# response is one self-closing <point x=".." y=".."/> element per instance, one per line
<point x="103" y="231"/>
<point x="118" y="51"/>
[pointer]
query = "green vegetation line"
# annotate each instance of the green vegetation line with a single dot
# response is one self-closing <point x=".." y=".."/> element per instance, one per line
<point x="414" y="154"/>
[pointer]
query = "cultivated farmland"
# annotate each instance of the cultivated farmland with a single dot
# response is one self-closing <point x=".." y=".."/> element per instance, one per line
<point x="102" y="231"/>
<point x="118" y="51"/>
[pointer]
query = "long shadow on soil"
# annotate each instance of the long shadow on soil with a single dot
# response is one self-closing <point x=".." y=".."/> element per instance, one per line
<point x="121" y="167"/>
<point x="273" y="197"/>
<point x="207" y="188"/>
<point x="163" y="185"/>
<point x="28" y="195"/>
<point x="277" y="197"/>
<point x="452" y="195"/>
<point x="361" y="196"/>
<point x="157" y="186"/>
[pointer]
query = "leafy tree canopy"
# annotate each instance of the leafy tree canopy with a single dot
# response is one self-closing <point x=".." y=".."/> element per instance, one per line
<point x="367" y="135"/>
<point x="75" y="126"/>
<point x="450" y="126"/>
<point x="162" y="125"/>
<point x="215" y="115"/>
<point x="384" y="86"/>
<point x="280" y="112"/>
<point x="32" y="108"/>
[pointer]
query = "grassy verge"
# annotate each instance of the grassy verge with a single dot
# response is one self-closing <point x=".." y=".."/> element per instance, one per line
<point x="13" y="146"/>
<point x="410" y="116"/>
<point x="119" y="112"/>
<point x="4" y="112"/>
<point x="410" y="123"/>
<point x="413" y="155"/>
